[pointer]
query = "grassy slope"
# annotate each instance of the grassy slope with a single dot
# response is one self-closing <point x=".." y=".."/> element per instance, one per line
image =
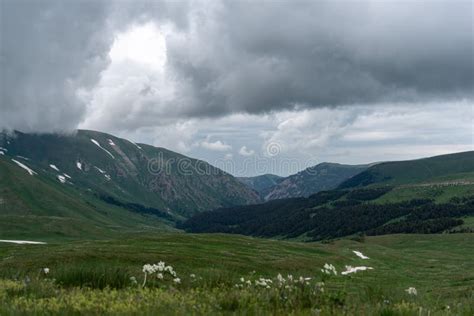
<point x="440" y="194"/>
<point x="453" y="166"/>
<point x="441" y="267"/>
<point x="40" y="207"/>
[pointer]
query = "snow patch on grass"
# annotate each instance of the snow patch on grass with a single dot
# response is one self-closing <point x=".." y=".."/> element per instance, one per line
<point x="23" y="242"/>
<point x="30" y="171"/>
<point x="360" y="254"/>
<point x="350" y="269"/>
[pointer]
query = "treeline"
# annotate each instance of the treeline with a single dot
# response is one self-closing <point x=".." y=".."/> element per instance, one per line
<point x="134" y="207"/>
<point x="430" y="226"/>
<point x="324" y="216"/>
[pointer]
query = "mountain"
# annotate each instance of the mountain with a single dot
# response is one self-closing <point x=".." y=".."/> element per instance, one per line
<point x="262" y="182"/>
<point x="401" y="197"/>
<point x="71" y="171"/>
<point x="324" y="176"/>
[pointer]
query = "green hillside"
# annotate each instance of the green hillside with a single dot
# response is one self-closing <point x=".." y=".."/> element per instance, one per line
<point x="439" y="169"/>
<point x="41" y="207"/>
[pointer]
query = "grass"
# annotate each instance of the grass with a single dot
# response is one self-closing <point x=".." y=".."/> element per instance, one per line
<point x="98" y="273"/>
<point x="440" y="194"/>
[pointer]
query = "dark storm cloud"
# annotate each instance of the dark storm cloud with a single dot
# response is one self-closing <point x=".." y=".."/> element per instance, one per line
<point x="48" y="51"/>
<point x="257" y="57"/>
<point x="234" y="56"/>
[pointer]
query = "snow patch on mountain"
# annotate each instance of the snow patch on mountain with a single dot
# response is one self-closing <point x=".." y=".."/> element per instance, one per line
<point x="100" y="170"/>
<point x="111" y="142"/>
<point x="79" y="165"/>
<point x="62" y="179"/>
<point x="67" y="176"/>
<point x="30" y="171"/>
<point x="104" y="173"/>
<point x="54" y="167"/>
<point x="98" y="145"/>
<point x="134" y="144"/>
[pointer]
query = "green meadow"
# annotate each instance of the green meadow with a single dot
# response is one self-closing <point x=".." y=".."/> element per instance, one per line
<point x="105" y="276"/>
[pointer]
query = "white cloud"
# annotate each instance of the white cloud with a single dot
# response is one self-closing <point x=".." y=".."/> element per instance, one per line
<point x="246" y="152"/>
<point x="215" y="146"/>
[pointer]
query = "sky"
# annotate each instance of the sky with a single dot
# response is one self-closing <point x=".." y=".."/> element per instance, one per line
<point x="252" y="87"/>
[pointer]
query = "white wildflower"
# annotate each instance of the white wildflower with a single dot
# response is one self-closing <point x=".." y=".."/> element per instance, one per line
<point x="133" y="280"/>
<point x="160" y="269"/>
<point x="263" y="282"/>
<point x="303" y="280"/>
<point x="412" y="291"/>
<point x="148" y="268"/>
<point x="242" y="280"/>
<point x="45" y="270"/>
<point x="192" y="276"/>
<point x="177" y="280"/>
<point x="329" y="269"/>
<point x="280" y="278"/>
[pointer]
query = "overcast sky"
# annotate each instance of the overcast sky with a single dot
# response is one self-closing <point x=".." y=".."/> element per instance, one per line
<point x="250" y="86"/>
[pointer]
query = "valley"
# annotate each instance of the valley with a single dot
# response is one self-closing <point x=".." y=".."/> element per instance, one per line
<point x="94" y="213"/>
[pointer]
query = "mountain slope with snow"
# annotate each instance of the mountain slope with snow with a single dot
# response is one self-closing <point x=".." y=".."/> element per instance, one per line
<point x="101" y="169"/>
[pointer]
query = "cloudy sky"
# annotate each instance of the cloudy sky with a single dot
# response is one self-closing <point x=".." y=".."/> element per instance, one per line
<point x="250" y="86"/>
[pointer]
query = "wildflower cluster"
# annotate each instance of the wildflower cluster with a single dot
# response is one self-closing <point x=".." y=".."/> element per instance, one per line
<point x="412" y="291"/>
<point x="264" y="282"/>
<point x="160" y="270"/>
<point x="329" y="269"/>
<point x="278" y="282"/>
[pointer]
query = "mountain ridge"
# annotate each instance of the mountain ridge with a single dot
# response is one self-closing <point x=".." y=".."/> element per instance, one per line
<point x="323" y="176"/>
<point x="129" y="172"/>
<point x="410" y="201"/>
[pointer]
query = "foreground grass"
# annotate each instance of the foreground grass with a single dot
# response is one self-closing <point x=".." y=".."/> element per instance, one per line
<point x="93" y="277"/>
